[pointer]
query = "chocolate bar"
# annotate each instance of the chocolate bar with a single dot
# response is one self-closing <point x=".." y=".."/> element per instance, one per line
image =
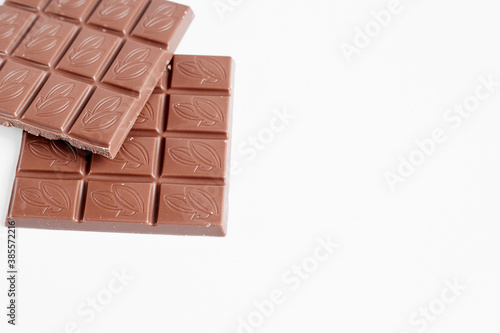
<point x="81" y="71"/>
<point x="169" y="177"/>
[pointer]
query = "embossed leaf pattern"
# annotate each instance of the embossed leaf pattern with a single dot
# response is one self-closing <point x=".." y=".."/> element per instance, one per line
<point x="51" y="197"/>
<point x="84" y="57"/>
<point x="123" y="199"/>
<point x="133" y="155"/>
<point x="198" y="154"/>
<point x="6" y="30"/>
<point x="9" y="18"/>
<point x="101" y="121"/>
<point x="103" y="116"/>
<point x="70" y="3"/>
<point x="129" y="199"/>
<point x="191" y="70"/>
<point x="202" y="201"/>
<point x="12" y="85"/>
<point x="183" y="156"/>
<point x="208" y="70"/>
<point x="212" y="69"/>
<point x="146" y="114"/>
<point x="32" y="196"/>
<point x="10" y="92"/>
<point x="160" y="20"/>
<point x="179" y="203"/>
<point x="17" y="76"/>
<point x="138" y="55"/>
<point x="56" y="197"/>
<point x="88" y="52"/>
<point x="108" y="104"/>
<point x="43" y="40"/>
<point x="115" y="10"/>
<point x="133" y="66"/>
<point x="186" y="111"/>
<point x="203" y="110"/>
<point x="65" y="153"/>
<point x="210" y="112"/>
<point x="92" y="42"/>
<point x="197" y="202"/>
<point x="58" y="152"/>
<point x="41" y="149"/>
<point x="61" y="90"/>
<point x="206" y="154"/>
<point x="7" y="26"/>
<point x="105" y="200"/>
<point x="57" y="100"/>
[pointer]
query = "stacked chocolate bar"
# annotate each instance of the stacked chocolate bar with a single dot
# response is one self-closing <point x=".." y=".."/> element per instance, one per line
<point x="130" y="138"/>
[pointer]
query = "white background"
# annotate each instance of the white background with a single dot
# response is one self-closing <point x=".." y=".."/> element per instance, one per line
<point x="322" y="175"/>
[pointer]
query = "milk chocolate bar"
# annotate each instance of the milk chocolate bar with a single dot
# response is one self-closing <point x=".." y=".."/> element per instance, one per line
<point x="82" y="70"/>
<point x="169" y="177"/>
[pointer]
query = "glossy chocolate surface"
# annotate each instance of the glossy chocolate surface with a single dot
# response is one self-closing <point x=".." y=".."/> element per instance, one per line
<point x="82" y="70"/>
<point x="169" y="177"/>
